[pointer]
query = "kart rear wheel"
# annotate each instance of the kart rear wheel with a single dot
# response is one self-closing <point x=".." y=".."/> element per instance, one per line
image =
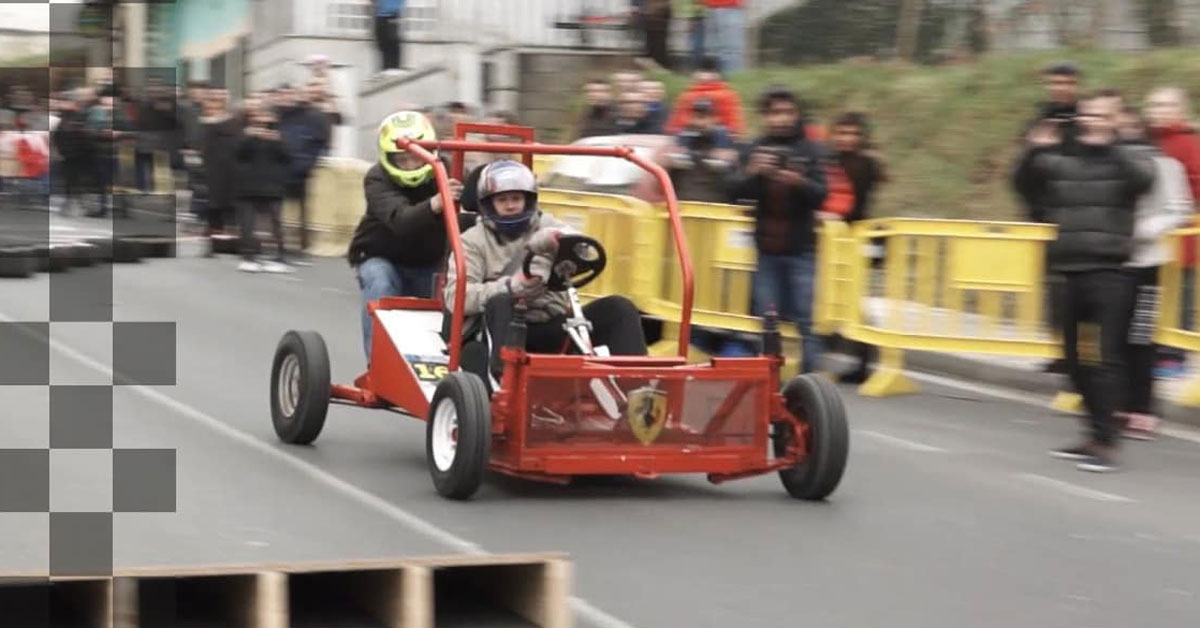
<point x="458" y="435"/>
<point x="815" y="401"/>
<point x="300" y="387"/>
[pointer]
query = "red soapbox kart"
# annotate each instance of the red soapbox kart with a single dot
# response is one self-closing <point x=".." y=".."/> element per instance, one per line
<point x="554" y="416"/>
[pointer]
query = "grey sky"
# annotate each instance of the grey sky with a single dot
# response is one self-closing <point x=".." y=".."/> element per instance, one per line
<point x="28" y="16"/>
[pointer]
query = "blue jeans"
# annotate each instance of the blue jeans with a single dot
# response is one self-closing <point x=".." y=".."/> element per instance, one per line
<point x="697" y="27"/>
<point x="380" y="278"/>
<point x="785" y="282"/>
<point x="143" y="170"/>
<point x="726" y="36"/>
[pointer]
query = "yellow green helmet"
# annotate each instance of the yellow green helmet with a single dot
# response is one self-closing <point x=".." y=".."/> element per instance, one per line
<point x="404" y="124"/>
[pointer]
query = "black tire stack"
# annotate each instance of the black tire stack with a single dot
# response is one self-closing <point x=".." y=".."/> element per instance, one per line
<point x="22" y="257"/>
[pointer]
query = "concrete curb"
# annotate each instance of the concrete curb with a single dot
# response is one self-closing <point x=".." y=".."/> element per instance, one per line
<point x="1006" y="376"/>
<point x="996" y="374"/>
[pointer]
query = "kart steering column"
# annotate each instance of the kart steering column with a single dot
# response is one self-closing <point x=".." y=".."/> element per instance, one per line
<point x="450" y="216"/>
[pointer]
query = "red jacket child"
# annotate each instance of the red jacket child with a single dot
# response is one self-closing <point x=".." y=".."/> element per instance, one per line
<point x="726" y="104"/>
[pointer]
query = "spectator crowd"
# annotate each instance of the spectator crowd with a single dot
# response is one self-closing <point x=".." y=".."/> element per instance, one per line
<point x="1112" y="173"/>
<point x="95" y="148"/>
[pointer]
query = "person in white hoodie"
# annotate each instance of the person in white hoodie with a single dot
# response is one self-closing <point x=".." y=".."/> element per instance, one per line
<point x="1166" y="206"/>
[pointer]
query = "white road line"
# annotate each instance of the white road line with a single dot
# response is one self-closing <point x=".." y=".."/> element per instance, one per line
<point x="415" y="523"/>
<point x="983" y="389"/>
<point x="1182" y="433"/>
<point x="1173" y="431"/>
<point x="338" y="290"/>
<point x="1073" y="489"/>
<point x="903" y="443"/>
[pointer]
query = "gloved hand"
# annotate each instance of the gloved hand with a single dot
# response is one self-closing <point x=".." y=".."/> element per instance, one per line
<point x="545" y="241"/>
<point x="533" y="285"/>
<point x="526" y="287"/>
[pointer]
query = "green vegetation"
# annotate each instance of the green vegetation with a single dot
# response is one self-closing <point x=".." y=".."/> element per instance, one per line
<point x="25" y="61"/>
<point x="950" y="133"/>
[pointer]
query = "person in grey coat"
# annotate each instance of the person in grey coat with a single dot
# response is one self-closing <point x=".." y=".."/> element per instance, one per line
<point x="1166" y="206"/>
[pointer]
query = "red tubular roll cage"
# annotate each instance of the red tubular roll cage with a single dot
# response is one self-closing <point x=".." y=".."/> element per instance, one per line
<point x="422" y="150"/>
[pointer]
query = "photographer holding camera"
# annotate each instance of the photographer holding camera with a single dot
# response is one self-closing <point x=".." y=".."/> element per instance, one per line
<point x="701" y="158"/>
<point x="784" y="176"/>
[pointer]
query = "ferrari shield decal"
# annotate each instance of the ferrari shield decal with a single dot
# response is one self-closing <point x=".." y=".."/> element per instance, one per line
<point x="647" y="413"/>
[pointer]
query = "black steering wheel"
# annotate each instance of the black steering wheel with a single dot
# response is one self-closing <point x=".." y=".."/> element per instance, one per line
<point x="580" y="259"/>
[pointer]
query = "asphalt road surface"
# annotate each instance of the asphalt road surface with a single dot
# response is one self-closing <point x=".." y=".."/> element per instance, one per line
<point x="951" y="514"/>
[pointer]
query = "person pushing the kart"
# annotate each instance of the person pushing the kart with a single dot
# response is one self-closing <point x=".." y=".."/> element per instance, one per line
<point x="400" y="242"/>
<point x="511" y="227"/>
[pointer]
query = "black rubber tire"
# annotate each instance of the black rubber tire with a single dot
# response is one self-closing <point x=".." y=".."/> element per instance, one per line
<point x="58" y="257"/>
<point x="89" y="255"/>
<point x="156" y="246"/>
<point x="17" y="261"/>
<point x="470" y="398"/>
<point x="80" y="254"/>
<point x="226" y="244"/>
<point x="127" y="251"/>
<point x="816" y="401"/>
<point x="103" y="248"/>
<point x="304" y="424"/>
<point x="41" y="258"/>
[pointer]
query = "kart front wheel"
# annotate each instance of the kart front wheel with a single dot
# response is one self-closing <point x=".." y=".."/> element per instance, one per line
<point x="458" y="435"/>
<point x="300" y="387"/>
<point x="815" y="401"/>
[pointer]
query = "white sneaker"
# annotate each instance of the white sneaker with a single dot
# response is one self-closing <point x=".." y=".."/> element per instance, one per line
<point x="249" y="266"/>
<point x="276" y="267"/>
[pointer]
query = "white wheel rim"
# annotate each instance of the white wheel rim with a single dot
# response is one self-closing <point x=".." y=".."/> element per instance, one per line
<point x="289" y="385"/>
<point x="444" y="440"/>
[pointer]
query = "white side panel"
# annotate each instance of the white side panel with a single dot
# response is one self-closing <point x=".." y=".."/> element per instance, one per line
<point x="417" y="336"/>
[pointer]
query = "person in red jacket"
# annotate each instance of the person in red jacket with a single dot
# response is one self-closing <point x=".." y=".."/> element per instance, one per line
<point x="1167" y="112"/>
<point x="707" y="85"/>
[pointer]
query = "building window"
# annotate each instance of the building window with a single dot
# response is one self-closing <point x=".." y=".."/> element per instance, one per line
<point x="348" y="17"/>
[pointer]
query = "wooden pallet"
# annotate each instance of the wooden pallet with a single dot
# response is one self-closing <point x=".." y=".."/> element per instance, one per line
<point x="391" y="593"/>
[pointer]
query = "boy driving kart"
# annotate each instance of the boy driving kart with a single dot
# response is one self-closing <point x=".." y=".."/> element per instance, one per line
<point x="511" y="227"/>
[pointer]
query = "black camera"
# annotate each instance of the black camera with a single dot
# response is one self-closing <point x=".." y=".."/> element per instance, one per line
<point x="787" y="159"/>
<point x="698" y="140"/>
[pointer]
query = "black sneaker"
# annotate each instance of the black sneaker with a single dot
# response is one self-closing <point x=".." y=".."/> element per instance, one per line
<point x="1098" y="463"/>
<point x="1081" y="452"/>
<point x="857" y="376"/>
<point x="1055" y="367"/>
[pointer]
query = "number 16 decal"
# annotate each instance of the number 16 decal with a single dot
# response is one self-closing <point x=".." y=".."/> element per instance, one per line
<point x="429" y="371"/>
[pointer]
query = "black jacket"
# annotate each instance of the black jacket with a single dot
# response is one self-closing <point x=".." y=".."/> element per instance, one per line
<point x="399" y="225"/>
<point x="597" y="120"/>
<point x="306" y="134"/>
<point x="220" y="140"/>
<point x="865" y="173"/>
<point x="71" y="137"/>
<point x="1030" y="191"/>
<point x="1090" y="193"/>
<point x="262" y="167"/>
<point x="785" y="216"/>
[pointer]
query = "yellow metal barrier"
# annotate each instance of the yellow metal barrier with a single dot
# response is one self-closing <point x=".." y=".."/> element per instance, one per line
<point x="542" y="165"/>
<point x="335" y="206"/>
<point x="721" y="239"/>
<point x="630" y="230"/>
<point x="1173" y="282"/>
<point x="951" y="286"/>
